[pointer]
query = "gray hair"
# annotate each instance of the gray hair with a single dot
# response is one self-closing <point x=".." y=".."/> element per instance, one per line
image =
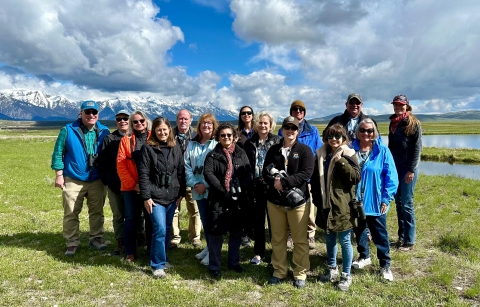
<point x="189" y="113"/>
<point x="130" y="121"/>
<point x="261" y="114"/>
<point x="367" y="121"/>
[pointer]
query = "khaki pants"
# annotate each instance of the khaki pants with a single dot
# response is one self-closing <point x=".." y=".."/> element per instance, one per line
<point x="74" y="193"/>
<point x="297" y="219"/>
<point x="118" y="213"/>
<point x="194" y="224"/>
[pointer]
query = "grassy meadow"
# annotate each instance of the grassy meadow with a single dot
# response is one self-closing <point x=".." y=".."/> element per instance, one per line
<point x="443" y="269"/>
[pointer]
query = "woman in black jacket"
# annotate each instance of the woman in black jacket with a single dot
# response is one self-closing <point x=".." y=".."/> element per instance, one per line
<point x="256" y="148"/>
<point x="161" y="172"/>
<point x="296" y="160"/>
<point x="227" y="172"/>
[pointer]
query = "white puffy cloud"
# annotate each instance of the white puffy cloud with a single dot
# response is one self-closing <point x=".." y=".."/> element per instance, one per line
<point x="113" y="45"/>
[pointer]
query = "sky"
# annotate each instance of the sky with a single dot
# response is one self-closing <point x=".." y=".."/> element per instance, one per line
<point x="261" y="53"/>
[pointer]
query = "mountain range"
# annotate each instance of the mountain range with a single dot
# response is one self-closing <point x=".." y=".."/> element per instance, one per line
<point x="23" y="104"/>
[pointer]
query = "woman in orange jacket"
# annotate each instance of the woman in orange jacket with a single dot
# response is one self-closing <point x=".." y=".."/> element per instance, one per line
<point x="139" y="127"/>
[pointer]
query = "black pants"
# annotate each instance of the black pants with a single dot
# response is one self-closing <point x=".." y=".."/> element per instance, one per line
<point x="260" y="211"/>
<point x="215" y="249"/>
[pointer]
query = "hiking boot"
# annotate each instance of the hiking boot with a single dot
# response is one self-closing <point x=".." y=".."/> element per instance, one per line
<point x="173" y="245"/>
<point x="215" y="274"/>
<point x="299" y="283"/>
<point x="71" y="250"/>
<point x="130" y="258"/>
<point x="237" y="268"/>
<point x="205" y="260"/>
<point x="345" y="282"/>
<point x="311" y="242"/>
<point x="196" y="243"/>
<point x="119" y="248"/>
<point x="160" y="273"/>
<point x="273" y="281"/>
<point x="98" y="244"/>
<point x="406" y="247"/>
<point x="289" y="241"/>
<point x="386" y="273"/>
<point x="360" y="263"/>
<point x="330" y="275"/>
<point x="202" y="254"/>
<point x="245" y="241"/>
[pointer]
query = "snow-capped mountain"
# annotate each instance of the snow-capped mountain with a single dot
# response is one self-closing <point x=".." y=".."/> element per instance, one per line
<point x="35" y="105"/>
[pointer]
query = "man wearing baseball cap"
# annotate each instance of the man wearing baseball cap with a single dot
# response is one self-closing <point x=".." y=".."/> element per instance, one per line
<point x="74" y="160"/>
<point x="352" y="116"/>
<point x="308" y="135"/>
<point x="107" y="167"/>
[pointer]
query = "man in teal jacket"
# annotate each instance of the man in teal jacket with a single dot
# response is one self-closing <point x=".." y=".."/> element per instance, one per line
<point x="308" y="135"/>
<point x="74" y="161"/>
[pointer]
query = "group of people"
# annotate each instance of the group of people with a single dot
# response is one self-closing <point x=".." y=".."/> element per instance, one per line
<point x="233" y="178"/>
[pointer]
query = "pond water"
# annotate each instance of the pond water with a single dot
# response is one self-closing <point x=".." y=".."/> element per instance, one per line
<point x="471" y="171"/>
<point x="448" y="141"/>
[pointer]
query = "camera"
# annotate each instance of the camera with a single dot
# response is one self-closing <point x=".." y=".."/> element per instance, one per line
<point x="92" y="160"/>
<point x="235" y="188"/>
<point x="294" y="196"/>
<point x="357" y="209"/>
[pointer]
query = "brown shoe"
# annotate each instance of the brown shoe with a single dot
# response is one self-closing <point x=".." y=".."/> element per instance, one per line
<point x="71" y="250"/>
<point x="406" y="248"/>
<point x="197" y="243"/>
<point x="130" y="258"/>
<point x="311" y="242"/>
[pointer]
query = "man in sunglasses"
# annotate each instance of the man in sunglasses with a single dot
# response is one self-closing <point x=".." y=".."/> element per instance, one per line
<point x="107" y="167"/>
<point x="308" y="135"/>
<point x="352" y="116"/>
<point x="74" y="160"/>
<point x="183" y="134"/>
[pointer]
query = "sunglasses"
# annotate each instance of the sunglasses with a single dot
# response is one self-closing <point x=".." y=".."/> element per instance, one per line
<point x="298" y="109"/>
<point x="355" y="101"/>
<point x="336" y="137"/>
<point x="135" y="122"/>
<point x="226" y="135"/>
<point x="246" y="113"/>
<point x="119" y="119"/>
<point x="88" y="112"/>
<point x="369" y="131"/>
<point x="293" y="128"/>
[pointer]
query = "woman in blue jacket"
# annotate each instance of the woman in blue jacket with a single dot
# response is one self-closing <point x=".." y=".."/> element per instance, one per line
<point x="376" y="190"/>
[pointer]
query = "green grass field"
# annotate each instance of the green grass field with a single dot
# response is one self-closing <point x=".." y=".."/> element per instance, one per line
<point x="443" y="270"/>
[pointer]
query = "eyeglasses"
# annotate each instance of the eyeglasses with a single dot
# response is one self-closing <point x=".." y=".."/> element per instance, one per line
<point x="225" y="135"/>
<point x="336" y="137"/>
<point x="355" y="101"/>
<point x="135" y="122"/>
<point x="293" y="128"/>
<point x="298" y="109"/>
<point x="369" y="131"/>
<point x="91" y="111"/>
<point x="207" y="124"/>
<point x="119" y="119"/>
<point x="246" y="113"/>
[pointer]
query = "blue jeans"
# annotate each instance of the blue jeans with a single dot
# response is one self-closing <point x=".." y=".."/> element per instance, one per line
<point x="347" y="249"/>
<point x="202" y="209"/>
<point x="161" y="217"/>
<point x="405" y="210"/>
<point x="378" y="230"/>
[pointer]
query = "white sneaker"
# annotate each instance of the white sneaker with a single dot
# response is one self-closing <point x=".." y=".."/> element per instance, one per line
<point x="202" y="254"/>
<point x="330" y="275"/>
<point x="387" y="273"/>
<point x="345" y="282"/>
<point x="168" y="266"/>
<point x="360" y="263"/>
<point x="160" y="273"/>
<point x="205" y="260"/>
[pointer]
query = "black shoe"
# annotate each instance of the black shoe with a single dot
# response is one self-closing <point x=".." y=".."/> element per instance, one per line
<point x="215" y="274"/>
<point x="237" y="268"/>
<point x="273" y="281"/>
<point x="299" y="283"/>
